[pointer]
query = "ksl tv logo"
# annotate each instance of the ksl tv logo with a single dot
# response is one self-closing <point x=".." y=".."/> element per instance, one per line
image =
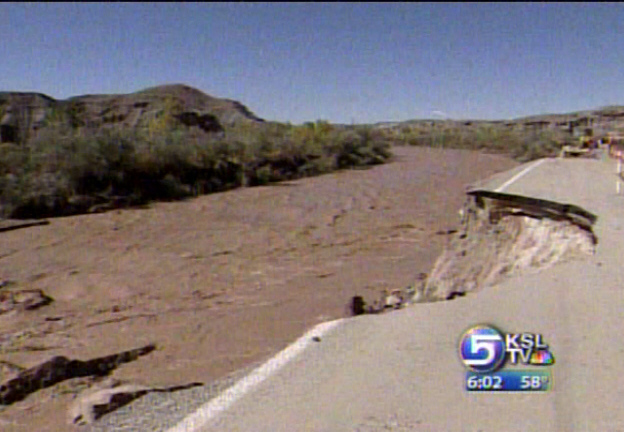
<point x="484" y="348"/>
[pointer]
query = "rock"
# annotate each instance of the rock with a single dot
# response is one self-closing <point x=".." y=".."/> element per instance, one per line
<point x="394" y="300"/>
<point x="455" y="294"/>
<point x="28" y="299"/>
<point x="357" y="306"/>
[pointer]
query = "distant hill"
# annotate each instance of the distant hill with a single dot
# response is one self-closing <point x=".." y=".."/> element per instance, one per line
<point x="601" y="121"/>
<point x="22" y="115"/>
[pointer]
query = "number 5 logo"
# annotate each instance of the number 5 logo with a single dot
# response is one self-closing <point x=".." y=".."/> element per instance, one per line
<point x="482" y="349"/>
<point x="480" y="342"/>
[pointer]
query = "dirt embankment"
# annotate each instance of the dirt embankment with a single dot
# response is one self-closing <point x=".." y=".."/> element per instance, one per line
<point x="505" y="238"/>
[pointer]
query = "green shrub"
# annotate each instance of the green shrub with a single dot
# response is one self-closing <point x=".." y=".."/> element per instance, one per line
<point x="66" y="170"/>
<point x="263" y="175"/>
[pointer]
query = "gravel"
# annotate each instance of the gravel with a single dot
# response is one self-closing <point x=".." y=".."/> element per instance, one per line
<point x="157" y="412"/>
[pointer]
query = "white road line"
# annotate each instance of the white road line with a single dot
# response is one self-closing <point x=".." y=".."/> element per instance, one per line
<point x="520" y="174"/>
<point x="201" y="417"/>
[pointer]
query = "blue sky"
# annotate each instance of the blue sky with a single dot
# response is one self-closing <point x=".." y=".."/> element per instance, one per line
<point x="342" y="62"/>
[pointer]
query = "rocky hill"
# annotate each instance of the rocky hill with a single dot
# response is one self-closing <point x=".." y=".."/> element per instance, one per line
<point x="23" y="115"/>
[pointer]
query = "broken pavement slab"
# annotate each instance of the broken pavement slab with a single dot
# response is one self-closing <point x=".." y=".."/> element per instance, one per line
<point x="61" y="368"/>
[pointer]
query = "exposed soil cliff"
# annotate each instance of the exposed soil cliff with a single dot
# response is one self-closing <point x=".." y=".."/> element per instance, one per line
<point x="503" y="239"/>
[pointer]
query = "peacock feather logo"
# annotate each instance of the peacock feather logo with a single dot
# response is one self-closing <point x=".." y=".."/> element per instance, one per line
<point x="542" y="358"/>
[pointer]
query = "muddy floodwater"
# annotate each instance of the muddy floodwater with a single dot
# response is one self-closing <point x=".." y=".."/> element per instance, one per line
<point x="225" y="280"/>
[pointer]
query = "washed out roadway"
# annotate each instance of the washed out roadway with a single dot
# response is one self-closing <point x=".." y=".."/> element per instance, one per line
<point x="400" y="371"/>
